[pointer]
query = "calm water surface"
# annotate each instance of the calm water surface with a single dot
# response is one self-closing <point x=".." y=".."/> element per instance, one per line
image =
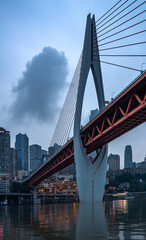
<point x="119" y="220"/>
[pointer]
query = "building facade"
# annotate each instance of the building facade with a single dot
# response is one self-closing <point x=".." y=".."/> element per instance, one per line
<point x="4" y="183"/>
<point x="93" y="113"/>
<point x="22" y="148"/>
<point x="53" y="149"/>
<point x="114" y="162"/>
<point x="35" y="157"/>
<point x="14" y="163"/>
<point x="4" y="151"/>
<point x="128" y="157"/>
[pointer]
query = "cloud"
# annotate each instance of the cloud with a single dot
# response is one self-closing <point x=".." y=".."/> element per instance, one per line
<point x="38" y="90"/>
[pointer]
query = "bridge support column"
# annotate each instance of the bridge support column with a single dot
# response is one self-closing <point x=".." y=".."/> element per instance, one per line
<point x="34" y="194"/>
<point x="91" y="174"/>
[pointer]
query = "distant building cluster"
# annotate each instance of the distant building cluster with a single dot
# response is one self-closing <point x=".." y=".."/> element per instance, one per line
<point x="64" y="184"/>
<point x="130" y="167"/>
<point x="19" y="162"/>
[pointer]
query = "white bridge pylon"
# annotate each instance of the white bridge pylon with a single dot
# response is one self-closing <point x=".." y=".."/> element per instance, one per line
<point x="91" y="175"/>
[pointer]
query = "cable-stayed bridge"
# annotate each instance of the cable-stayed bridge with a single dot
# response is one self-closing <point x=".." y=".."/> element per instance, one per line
<point x="125" y="112"/>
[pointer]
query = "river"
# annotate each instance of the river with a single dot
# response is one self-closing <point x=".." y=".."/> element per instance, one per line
<point x="119" y="220"/>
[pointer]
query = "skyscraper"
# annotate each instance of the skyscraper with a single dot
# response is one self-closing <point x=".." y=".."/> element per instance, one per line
<point x="14" y="163"/>
<point x="35" y="156"/>
<point x="22" y="146"/>
<point x="128" y="157"/>
<point x="4" y="151"/>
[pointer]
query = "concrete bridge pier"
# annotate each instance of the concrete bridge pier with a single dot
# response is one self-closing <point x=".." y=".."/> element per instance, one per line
<point x="91" y="174"/>
<point x="34" y="194"/>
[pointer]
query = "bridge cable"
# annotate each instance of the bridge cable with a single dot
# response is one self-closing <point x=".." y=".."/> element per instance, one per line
<point x="73" y="100"/>
<point x="121" y="31"/>
<point x="127" y="45"/>
<point x="66" y="117"/>
<point x="121" y="23"/>
<point x="131" y="35"/>
<point x="96" y="25"/>
<point x="114" y="55"/>
<point x="117" y="15"/>
<point x="120" y="18"/>
<point x="117" y="65"/>
<point x="107" y="12"/>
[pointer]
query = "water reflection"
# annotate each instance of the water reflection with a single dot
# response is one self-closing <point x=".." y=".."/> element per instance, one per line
<point x="120" y="220"/>
<point x="91" y="222"/>
<point x="126" y="219"/>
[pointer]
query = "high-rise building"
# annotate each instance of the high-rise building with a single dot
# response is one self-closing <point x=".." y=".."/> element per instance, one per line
<point x="35" y="157"/>
<point x="44" y="152"/>
<point x="128" y="157"/>
<point x="114" y="162"/>
<point x="4" y="151"/>
<point x="22" y="148"/>
<point x="53" y="149"/>
<point x="14" y="163"/>
<point x="93" y="113"/>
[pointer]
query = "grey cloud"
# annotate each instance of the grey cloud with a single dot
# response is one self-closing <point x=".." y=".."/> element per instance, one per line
<point x="37" y="92"/>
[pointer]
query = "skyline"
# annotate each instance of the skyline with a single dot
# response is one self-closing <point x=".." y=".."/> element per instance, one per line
<point x="34" y="33"/>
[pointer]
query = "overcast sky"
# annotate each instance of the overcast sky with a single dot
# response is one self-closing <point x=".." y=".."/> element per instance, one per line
<point x="41" y="42"/>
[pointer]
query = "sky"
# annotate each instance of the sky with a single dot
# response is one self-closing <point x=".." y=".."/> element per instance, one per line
<point x="41" y="42"/>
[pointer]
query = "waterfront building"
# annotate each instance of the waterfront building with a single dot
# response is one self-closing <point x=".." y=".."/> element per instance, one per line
<point x="13" y="163"/>
<point x="114" y="162"/>
<point x="4" y="151"/>
<point x="35" y="157"/>
<point x="128" y="157"/>
<point x="22" y="148"/>
<point x="4" y="183"/>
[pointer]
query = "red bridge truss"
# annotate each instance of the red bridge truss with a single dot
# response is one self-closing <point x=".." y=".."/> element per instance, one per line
<point x="125" y="112"/>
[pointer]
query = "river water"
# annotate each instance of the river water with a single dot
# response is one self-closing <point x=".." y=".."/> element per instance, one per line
<point x="119" y="220"/>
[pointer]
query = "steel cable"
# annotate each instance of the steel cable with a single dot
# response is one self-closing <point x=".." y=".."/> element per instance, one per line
<point x="118" y="39"/>
<point x="122" y="23"/>
<point x="127" y="45"/>
<point x="117" y="65"/>
<point x="117" y="14"/>
<point x="117" y="55"/>
<point x="120" y="31"/>
<point x="121" y="17"/>
<point x="107" y="12"/>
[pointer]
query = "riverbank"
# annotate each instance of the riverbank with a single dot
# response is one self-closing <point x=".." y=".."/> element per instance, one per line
<point x="27" y="198"/>
<point x="125" y="195"/>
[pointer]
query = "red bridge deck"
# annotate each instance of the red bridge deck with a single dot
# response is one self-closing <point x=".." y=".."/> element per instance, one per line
<point x="125" y="112"/>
